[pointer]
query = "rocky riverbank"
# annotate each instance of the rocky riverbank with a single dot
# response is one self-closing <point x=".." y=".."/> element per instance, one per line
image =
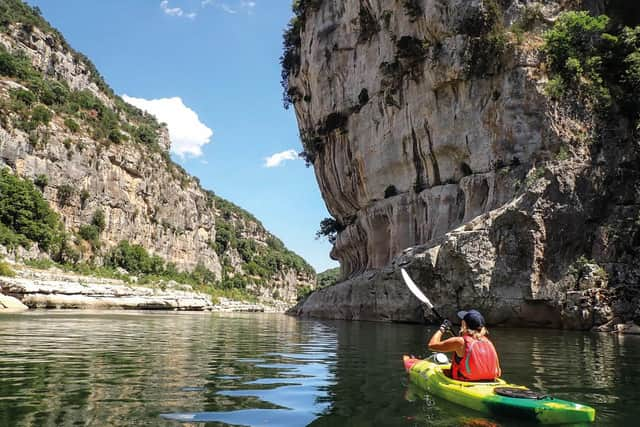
<point x="55" y="289"/>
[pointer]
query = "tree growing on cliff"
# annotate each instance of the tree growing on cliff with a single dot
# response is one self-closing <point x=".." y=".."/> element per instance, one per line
<point x="26" y="214"/>
<point x="135" y="259"/>
<point x="329" y="228"/>
<point x="594" y="63"/>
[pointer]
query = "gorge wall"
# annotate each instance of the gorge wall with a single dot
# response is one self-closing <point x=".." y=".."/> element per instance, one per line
<point x="96" y="153"/>
<point x="437" y="147"/>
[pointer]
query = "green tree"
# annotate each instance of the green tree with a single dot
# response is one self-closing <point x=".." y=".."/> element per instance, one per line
<point x="26" y="213"/>
<point x="65" y="193"/>
<point x="594" y="63"/>
<point x="91" y="234"/>
<point x="135" y="259"/>
<point x="98" y="220"/>
<point x="41" y="181"/>
<point x="329" y="228"/>
<point x="41" y="115"/>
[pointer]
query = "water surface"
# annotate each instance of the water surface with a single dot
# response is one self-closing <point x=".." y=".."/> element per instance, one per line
<point x="74" y="368"/>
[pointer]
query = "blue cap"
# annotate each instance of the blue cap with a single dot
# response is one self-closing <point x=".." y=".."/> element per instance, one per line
<point x="472" y="318"/>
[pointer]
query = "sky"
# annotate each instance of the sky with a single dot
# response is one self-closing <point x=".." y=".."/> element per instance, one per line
<point x="210" y="69"/>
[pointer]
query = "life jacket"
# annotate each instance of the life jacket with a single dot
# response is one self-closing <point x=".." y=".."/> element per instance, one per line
<point x="479" y="361"/>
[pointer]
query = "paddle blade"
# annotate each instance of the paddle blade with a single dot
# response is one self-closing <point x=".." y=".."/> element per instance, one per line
<point x="414" y="288"/>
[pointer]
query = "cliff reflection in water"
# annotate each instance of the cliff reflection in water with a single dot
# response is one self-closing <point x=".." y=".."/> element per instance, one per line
<point x="74" y="368"/>
<point x="79" y="368"/>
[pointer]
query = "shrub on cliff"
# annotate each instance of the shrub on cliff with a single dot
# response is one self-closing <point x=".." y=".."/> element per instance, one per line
<point x="487" y="39"/>
<point x="71" y="124"/>
<point x="594" y="63"/>
<point x="41" y="115"/>
<point x="65" y="193"/>
<point x="329" y="228"/>
<point x="104" y="121"/>
<point x="25" y="97"/>
<point x="91" y="234"/>
<point x="290" y="59"/>
<point x="6" y="270"/>
<point x="135" y="259"/>
<point x="26" y="215"/>
<point x="328" y="277"/>
<point x="98" y="220"/>
<point x="11" y="240"/>
<point x="15" y="65"/>
<point x="41" y="181"/>
<point x="225" y="237"/>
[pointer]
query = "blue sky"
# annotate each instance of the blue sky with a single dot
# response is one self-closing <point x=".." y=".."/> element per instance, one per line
<point x="221" y="59"/>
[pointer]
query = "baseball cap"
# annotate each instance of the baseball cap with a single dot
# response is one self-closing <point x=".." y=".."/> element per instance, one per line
<point x="472" y="318"/>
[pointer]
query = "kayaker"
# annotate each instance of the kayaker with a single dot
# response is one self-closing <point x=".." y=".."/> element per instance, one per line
<point x="474" y="356"/>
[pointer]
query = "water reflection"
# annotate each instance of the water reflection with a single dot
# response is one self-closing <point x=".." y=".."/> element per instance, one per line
<point x="79" y="368"/>
<point x="72" y="368"/>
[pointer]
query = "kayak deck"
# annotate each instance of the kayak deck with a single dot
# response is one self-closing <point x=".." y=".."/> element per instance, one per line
<point x="481" y="396"/>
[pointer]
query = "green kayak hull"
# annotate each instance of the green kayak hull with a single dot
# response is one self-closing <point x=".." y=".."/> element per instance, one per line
<point x="481" y="396"/>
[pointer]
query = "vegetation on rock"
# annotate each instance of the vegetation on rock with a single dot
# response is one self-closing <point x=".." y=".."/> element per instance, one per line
<point x="55" y="96"/>
<point x="328" y="277"/>
<point x="594" y="63"/>
<point x="329" y="228"/>
<point x="6" y="270"/>
<point x="25" y="217"/>
<point x="487" y="39"/>
<point x="290" y="59"/>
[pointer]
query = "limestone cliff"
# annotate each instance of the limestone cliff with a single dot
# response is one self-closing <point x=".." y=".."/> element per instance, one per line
<point x="437" y="147"/>
<point x="64" y="128"/>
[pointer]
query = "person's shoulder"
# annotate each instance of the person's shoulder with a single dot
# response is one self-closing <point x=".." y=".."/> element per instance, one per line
<point x="459" y="340"/>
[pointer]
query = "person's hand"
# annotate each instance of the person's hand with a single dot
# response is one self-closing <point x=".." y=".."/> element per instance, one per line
<point x="446" y="326"/>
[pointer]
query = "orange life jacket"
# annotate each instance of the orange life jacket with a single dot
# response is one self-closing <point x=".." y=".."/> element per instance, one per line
<point x="479" y="362"/>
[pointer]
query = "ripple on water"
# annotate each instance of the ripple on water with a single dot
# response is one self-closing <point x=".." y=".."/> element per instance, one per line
<point x="72" y="368"/>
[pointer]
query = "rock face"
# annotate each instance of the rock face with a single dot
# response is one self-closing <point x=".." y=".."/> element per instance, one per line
<point x="424" y="135"/>
<point x="142" y="196"/>
<point x="146" y="198"/>
<point x="420" y="153"/>
<point x="11" y="304"/>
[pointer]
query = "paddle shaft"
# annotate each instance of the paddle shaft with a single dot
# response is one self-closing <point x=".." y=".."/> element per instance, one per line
<point x="440" y="318"/>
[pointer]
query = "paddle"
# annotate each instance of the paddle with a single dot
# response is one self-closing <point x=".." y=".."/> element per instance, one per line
<point x="418" y="293"/>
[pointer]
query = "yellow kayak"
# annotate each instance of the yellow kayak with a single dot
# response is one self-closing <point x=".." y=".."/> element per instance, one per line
<point x="497" y="398"/>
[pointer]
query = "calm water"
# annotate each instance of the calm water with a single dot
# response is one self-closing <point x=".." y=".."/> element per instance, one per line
<point x="121" y="369"/>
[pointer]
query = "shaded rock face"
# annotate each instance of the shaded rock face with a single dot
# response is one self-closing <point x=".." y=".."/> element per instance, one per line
<point x="421" y="155"/>
<point x="452" y="168"/>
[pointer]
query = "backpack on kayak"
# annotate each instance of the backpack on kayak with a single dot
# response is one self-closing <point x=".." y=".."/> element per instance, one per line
<point x="479" y="361"/>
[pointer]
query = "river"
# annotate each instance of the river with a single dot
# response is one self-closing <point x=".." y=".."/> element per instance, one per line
<point x="75" y="368"/>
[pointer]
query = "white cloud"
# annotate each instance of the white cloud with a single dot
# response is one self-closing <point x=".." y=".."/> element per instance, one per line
<point x="175" y="11"/>
<point x="188" y="134"/>
<point x="242" y="5"/>
<point x="279" y="158"/>
<point x="227" y="8"/>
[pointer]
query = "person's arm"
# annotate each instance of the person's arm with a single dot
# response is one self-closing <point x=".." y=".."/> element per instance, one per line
<point x="452" y="344"/>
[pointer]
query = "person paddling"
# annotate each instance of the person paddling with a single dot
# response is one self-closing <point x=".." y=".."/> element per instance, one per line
<point x="474" y="356"/>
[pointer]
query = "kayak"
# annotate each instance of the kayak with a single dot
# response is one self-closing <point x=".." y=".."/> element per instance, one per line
<point x="496" y="398"/>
